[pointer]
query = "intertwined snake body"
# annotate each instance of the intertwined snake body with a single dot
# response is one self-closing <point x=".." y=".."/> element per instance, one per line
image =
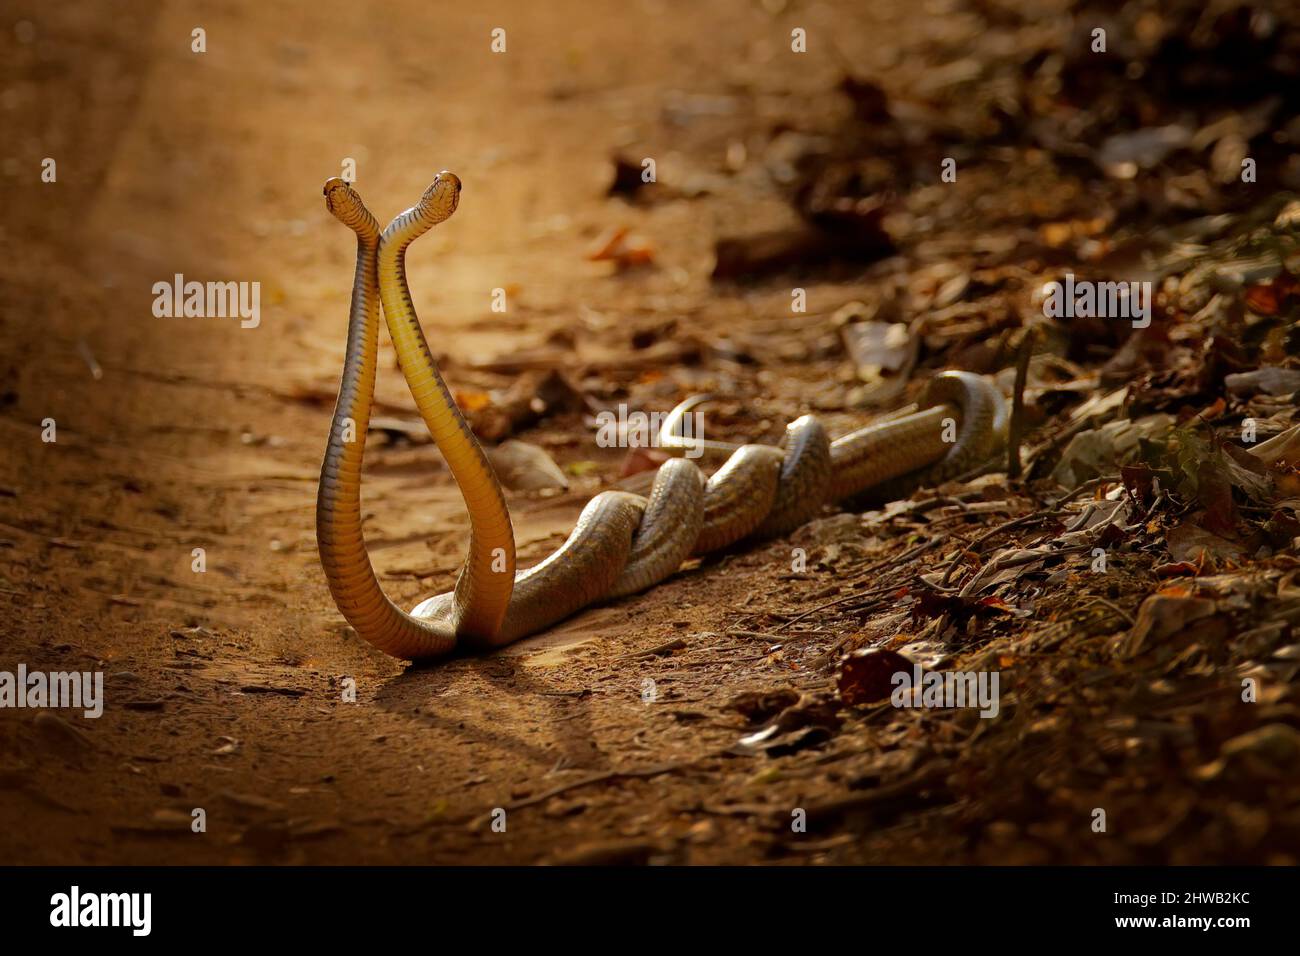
<point x="622" y="542"/>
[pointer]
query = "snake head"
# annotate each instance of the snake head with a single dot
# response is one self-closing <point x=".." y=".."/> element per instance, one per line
<point x="346" y="206"/>
<point x="338" y="194"/>
<point x="441" y="198"/>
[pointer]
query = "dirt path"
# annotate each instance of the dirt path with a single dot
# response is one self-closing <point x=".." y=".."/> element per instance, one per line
<point x="227" y="689"/>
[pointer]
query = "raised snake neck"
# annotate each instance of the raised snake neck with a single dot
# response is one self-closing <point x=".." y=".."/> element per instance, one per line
<point x="622" y="543"/>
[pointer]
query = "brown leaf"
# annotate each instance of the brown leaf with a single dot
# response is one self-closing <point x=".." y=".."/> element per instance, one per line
<point x="866" y="675"/>
<point x="1190" y="542"/>
<point x="1159" y="617"/>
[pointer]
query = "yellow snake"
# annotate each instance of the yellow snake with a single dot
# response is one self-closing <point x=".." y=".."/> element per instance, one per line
<point x="622" y="542"/>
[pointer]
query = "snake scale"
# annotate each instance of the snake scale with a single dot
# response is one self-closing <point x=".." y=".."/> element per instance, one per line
<point x="622" y="543"/>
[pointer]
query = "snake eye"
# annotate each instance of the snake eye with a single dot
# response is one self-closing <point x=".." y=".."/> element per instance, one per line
<point x="450" y="178"/>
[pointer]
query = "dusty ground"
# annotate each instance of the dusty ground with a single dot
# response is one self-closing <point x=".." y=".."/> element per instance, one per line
<point x="225" y="688"/>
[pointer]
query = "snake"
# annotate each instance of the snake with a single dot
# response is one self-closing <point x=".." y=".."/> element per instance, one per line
<point x="622" y="543"/>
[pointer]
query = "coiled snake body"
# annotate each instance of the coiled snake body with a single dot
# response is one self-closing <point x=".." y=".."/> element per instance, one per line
<point x="622" y="542"/>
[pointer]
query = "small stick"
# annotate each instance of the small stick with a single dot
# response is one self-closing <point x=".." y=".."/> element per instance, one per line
<point x="1005" y="526"/>
<point x="1018" y="404"/>
<point x="88" y="357"/>
<point x="905" y="556"/>
<point x="1089" y="485"/>
<point x="601" y="777"/>
<point x="676" y="644"/>
<point x="776" y="638"/>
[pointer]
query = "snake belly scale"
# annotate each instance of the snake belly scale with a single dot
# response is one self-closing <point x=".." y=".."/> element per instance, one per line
<point x="622" y="543"/>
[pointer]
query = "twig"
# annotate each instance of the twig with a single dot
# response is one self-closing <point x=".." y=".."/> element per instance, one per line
<point x="1114" y="607"/>
<point x="1018" y="404"/>
<point x="1022" y="520"/>
<point x="1088" y="485"/>
<point x="1056" y="441"/>
<point x="896" y="561"/>
<point x="642" y="772"/>
<point x="858" y="595"/>
<point x="889" y="798"/>
<point x="1005" y="526"/>
<point x="676" y="644"/>
<point x="777" y="638"/>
